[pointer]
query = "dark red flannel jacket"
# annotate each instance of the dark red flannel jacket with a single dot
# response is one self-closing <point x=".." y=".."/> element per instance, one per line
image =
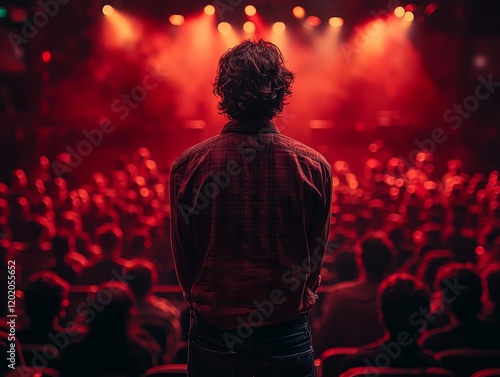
<point x="250" y="215"/>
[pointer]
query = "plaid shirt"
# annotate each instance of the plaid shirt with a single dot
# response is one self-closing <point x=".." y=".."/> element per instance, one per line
<point x="250" y="215"/>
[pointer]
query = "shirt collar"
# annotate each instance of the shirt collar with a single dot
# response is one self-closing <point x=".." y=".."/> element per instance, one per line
<point x="250" y="127"/>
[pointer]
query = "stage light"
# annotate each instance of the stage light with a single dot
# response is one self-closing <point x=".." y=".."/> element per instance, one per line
<point x="409" y="16"/>
<point x="224" y="27"/>
<point x="431" y="8"/>
<point x="46" y="56"/>
<point x="279" y="27"/>
<point x="176" y="19"/>
<point x="209" y="10"/>
<point x="107" y="10"/>
<point x="249" y="27"/>
<point x="250" y="10"/>
<point x="3" y="12"/>
<point x="410" y="8"/>
<point x="399" y="12"/>
<point x="313" y="21"/>
<point x="336" y="22"/>
<point x="299" y="12"/>
<point x="18" y="15"/>
<point x="480" y="61"/>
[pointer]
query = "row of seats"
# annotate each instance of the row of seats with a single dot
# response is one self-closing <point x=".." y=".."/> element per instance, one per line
<point x="180" y="370"/>
<point x="455" y="362"/>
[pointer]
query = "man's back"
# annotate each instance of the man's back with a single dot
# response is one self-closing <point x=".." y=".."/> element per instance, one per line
<point x="248" y="221"/>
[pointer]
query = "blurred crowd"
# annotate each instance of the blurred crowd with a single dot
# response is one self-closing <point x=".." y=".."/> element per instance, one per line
<point x="410" y="251"/>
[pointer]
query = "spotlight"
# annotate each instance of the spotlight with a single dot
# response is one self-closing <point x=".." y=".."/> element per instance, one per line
<point x="209" y="10"/>
<point x="336" y="22"/>
<point x="250" y="10"/>
<point x="409" y="16"/>
<point x="224" y="27"/>
<point x="249" y="27"/>
<point x="399" y="12"/>
<point x="313" y="21"/>
<point x="107" y="10"/>
<point x="176" y="19"/>
<point x="279" y="27"/>
<point x="299" y="12"/>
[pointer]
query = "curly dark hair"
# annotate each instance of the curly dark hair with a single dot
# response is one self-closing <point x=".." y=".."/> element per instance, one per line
<point x="252" y="81"/>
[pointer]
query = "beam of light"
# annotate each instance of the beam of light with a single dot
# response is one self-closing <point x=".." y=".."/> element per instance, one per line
<point x="249" y="27"/>
<point x="299" y="12"/>
<point x="409" y="16"/>
<point x="336" y="22"/>
<point x="279" y="27"/>
<point x="250" y="10"/>
<point x="209" y="10"/>
<point x="108" y="10"/>
<point x="313" y="21"/>
<point x="399" y="12"/>
<point x="176" y="19"/>
<point x="121" y="31"/>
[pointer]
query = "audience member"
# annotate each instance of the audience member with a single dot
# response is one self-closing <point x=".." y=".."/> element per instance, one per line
<point x="108" y="265"/>
<point x="461" y="292"/>
<point x="152" y="313"/>
<point x="400" y="297"/>
<point x="108" y="348"/>
<point x="349" y="314"/>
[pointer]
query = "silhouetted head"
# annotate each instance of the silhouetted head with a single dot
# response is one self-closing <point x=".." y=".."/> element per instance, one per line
<point x="144" y="277"/>
<point x="61" y="246"/>
<point x="461" y="290"/>
<point x="377" y="256"/>
<point x="109" y="238"/>
<point x="45" y="296"/>
<point x="115" y="302"/>
<point x="401" y="295"/>
<point x="252" y="81"/>
<point x="493" y="284"/>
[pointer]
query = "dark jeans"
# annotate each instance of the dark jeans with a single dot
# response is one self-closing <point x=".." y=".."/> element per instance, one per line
<point x="278" y="350"/>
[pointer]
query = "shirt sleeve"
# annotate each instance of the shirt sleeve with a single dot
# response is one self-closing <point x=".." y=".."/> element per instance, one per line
<point x="181" y="236"/>
<point x="318" y="232"/>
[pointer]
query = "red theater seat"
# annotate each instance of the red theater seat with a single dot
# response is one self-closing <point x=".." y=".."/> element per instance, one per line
<point x="172" y="370"/>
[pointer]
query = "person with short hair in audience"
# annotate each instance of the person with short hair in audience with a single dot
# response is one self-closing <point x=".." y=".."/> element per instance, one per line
<point x="493" y="285"/>
<point x="152" y="313"/>
<point x="400" y="296"/>
<point x="461" y="293"/>
<point x="36" y="255"/>
<point x="349" y="315"/>
<point x="45" y="300"/>
<point x="68" y="264"/>
<point x="108" y="348"/>
<point x="108" y="265"/>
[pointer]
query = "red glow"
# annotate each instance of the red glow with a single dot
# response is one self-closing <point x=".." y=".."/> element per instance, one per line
<point x="313" y="21"/>
<point x="46" y="56"/>
<point x="17" y="15"/>
<point x="479" y="250"/>
<point x="431" y="8"/>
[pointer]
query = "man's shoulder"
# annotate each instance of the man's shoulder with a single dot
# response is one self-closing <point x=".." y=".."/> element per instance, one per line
<point x="195" y="150"/>
<point x="303" y="150"/>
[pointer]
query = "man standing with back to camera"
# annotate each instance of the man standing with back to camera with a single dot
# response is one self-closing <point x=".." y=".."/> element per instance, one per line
<point x="250" y="219"/>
